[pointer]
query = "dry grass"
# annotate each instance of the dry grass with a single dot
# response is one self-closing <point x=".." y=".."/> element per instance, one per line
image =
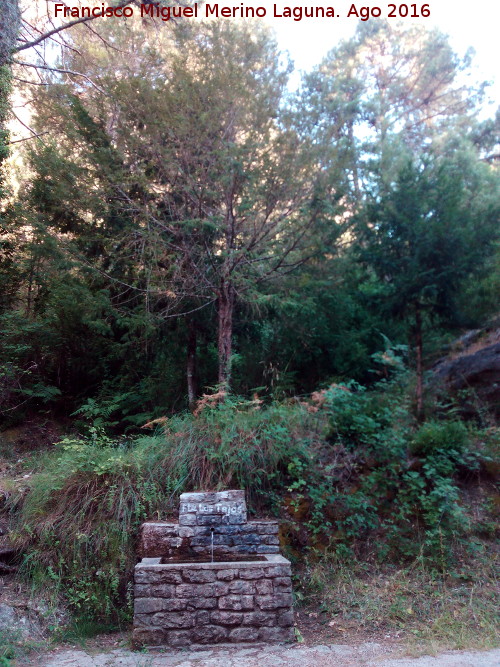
<point x="425" y="610"/>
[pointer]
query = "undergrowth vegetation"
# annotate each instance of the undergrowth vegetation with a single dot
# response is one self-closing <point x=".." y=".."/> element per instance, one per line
<point x="459" y="610"/>
<point x="79" y="521"/>
<point x="352" y="476"/>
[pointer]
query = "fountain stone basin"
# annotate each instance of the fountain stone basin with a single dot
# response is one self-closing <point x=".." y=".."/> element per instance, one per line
<point x="182" y="598"/>
<point x="217" y="558"/>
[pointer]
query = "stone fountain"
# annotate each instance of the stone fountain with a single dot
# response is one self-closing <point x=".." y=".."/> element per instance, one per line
<point x="212" y="577"/>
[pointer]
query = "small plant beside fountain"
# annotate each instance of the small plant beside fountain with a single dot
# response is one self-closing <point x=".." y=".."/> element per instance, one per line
<point x="213" y="577"/>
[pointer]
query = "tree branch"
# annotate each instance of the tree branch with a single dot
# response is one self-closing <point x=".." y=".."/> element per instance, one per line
<point x="65" y="26"/>
<point x="35" y="136"/>
<point x="60" y="71"/>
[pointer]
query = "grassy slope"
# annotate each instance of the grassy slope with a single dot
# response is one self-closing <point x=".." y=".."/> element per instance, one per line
<point x="390" y="526"/>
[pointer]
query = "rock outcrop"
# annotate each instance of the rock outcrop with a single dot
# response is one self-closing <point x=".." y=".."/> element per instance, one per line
<point x="474" y="374"/>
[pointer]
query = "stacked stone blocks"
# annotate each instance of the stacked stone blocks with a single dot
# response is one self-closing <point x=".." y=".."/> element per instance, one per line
<point x="161" y="539"/>
<point x="179" y="603"/>
<point x="199" y="603"/>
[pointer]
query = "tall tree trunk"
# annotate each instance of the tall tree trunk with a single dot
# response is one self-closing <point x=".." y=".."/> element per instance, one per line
<point x="355" y="172"/>
<point x="225" y="332"/>
<point x="191" y="363"/>
<point x="10" y="17"/>
<point x="420" y="372"/>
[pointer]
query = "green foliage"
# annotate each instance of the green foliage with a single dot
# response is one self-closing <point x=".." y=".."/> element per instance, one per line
<point x="421" y="234"/>
<point x="479" y="299"/>
<point x="7" y="647"/>
<point x="5" y="87"/>
<point x="366" y="419"/>
<point x="435" y="437"/>
<point x="107" y="269"/>
<point x="81" y="518"/>
<point x="5" y="244"/>
<point x="401" y="490"/>
<point x="192" y="180"/>
<point x="366" y="475"/>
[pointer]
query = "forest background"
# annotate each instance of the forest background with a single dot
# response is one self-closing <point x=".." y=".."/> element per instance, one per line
<point x="190" y="245"/>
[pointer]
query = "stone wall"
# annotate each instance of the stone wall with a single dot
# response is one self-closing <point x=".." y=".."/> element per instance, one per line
<point x="204" y="603"/>
<point x="178" y="603"/>
<point x="173" y="540"/>
<point x="224" y="514"/>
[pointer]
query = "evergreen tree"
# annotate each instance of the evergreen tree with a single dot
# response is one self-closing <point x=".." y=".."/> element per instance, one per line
<point x="426" y="235"/>
<point x="189" y="171"/>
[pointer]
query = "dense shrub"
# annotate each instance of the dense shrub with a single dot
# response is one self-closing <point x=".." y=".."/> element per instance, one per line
<point x="405" y="497"/>
<point x="440" y="437"/>
<point x="349" y="473"/>
<point x="79" y="522"/>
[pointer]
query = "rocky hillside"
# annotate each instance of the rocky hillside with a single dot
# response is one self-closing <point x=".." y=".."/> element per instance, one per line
<point x="471" y="371"/>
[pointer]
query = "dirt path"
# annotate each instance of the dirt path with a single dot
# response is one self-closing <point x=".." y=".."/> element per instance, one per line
<point x="335" y="655"/>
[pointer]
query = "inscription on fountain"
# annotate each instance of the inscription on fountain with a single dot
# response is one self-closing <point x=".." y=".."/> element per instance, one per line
<point x="183" y="595"/>
<point x="222" y="507"/>
<point x="189" y="508"/>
